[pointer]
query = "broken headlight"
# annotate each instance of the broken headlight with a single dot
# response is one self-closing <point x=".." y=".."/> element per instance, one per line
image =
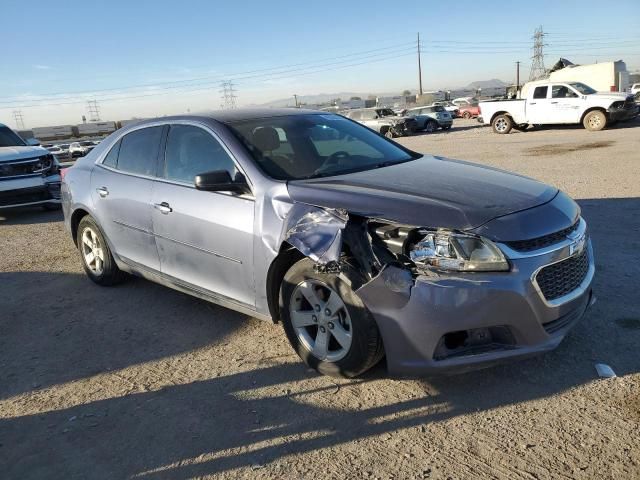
<point x="457" y="252"/>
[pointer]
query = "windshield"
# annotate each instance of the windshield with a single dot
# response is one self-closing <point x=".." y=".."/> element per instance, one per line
<point x="8" y="138"/>
<point x="308" y="146"/>
<point x="582" y="88"/>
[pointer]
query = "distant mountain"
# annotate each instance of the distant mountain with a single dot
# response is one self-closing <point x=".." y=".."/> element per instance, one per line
<point x="313" y="99"/>
<point x="493" y="83"/>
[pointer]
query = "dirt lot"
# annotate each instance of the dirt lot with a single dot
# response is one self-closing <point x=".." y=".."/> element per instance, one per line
<point x="141" y="381"/>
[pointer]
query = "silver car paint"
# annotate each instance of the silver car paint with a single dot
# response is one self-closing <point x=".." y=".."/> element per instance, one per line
<point x="197" y="257"/>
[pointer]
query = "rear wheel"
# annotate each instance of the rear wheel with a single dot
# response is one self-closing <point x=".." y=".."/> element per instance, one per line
<point x="502" y="124"/>
<point x="595" y="120"/>
<point x="96" y="256"/>
<point x="466" y="115"/>
<point x="326" y="322"/>
<point x="431" y="126"/>
<point x="388" y="133"/>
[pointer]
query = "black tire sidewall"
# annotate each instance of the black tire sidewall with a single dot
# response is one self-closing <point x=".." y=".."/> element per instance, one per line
<point x="366" y="347"/>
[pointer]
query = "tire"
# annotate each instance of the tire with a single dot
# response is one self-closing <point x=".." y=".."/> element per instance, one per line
<point x="50" y="207"/>
<point x="350" y="358"/>
<point x="388" y="133"/>
<point x="502" y="124"/>
<point x="466" y="115"/>
<point x="431" y="126"/>
<point x="595" y="120"/>
<point x="89" y="238"/>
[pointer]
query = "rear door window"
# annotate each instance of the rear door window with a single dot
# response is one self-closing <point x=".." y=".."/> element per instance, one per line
<point x="111" y="160"/>
<point x="139" y="151"/>
<point x="540" y="92"/>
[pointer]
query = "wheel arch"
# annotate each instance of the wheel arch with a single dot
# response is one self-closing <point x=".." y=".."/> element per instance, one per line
<point x="287" y="256"/>
<point x="501" y="112"/>
<point x="592" y="109"/>
<point x="77" y="215"/>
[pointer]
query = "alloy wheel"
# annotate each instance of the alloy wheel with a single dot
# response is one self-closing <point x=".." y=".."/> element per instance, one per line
<point x="321" y="320"/>
<point x="92" y="251"/>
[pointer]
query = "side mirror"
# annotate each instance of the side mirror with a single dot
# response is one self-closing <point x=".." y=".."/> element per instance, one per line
<point x="221" y="181"/>
<point x="32" y="142"/>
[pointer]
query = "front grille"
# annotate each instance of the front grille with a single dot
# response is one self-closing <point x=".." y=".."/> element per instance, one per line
<point x="25" y="195"/>
<point x="544" y="241"/>
<point x="563" y="277"/>
<point x="21" y="168"/>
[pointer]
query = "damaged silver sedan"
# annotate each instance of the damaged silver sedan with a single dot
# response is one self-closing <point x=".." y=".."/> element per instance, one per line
<point x="362" y="248"/>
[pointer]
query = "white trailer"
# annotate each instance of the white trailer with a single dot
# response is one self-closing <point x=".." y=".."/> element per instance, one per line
<point x="603" y="77"/>
<point x="96" y="128"/>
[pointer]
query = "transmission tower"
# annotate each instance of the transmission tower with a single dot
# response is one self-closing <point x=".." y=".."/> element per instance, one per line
<point x="228" y="95"/>
<point x="537" y="61"/>
<point x="94" y="110"/>
<point x="17" y="115"/>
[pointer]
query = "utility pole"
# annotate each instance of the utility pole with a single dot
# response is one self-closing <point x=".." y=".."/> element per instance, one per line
<point x="537" y="60"/>
<point x="17" y="116"/>
<point x="295" y="97"/>
<point x="419" y="66"/>
<point x="518" y="75"/>
<point x="228" y="95"/>
<point x="94" y="110"/>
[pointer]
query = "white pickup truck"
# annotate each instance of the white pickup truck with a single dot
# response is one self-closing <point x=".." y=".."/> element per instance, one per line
<point x="548" y="102"/>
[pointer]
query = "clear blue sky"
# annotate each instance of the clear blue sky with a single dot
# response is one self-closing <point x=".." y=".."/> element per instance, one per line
<point x="125" y="53"/>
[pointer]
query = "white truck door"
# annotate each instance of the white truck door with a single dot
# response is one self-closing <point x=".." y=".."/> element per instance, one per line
<point x="566" y="104"/>
<point x="539" y="108"/>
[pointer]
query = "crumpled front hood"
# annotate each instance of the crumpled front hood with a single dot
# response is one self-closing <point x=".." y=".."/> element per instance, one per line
<point x="21" y="153"/>
<point x="430" y="191"/>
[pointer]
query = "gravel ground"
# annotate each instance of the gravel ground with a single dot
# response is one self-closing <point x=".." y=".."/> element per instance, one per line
<point x="141" y="381"/>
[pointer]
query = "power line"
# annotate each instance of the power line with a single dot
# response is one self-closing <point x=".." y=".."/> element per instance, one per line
<point x="17" y="116"/>
<point x="537" y="61"/>
<point x="217" y="78"/>
<point x="207" y="85"/>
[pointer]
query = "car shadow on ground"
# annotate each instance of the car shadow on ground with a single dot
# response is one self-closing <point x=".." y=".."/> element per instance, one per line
<point x="28" y="216"/>
<point x="633" y="123"/>
<point x="258" y="416"/>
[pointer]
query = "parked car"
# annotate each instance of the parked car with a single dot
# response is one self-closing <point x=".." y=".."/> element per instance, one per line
<point x="469" y="111"/>
<point x="384" y="121"/>
<point x="431" y="118"/>
<point x="29" y="173"/>
<point x="361" y="247"/>
<point x="635" y="88"/>
<point x="464" y="101"/>
<point x="80" y="149"/>
<point x="559" y="103"/>
<point x="450" y="107"/>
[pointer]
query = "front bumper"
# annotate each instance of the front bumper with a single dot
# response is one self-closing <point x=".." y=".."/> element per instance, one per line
<point x="35" y="190"/>
<point x="625" y="112"/>
<point x="505" y="311"/>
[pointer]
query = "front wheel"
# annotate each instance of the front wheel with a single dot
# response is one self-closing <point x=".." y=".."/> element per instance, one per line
<point x="326" y="322"/>
<point x="388" y="133"/>
<point x="595" y="120"/>
<point x="502" y="124"/>
<point x="466" y="115"/>
<point x="431" y="126"/>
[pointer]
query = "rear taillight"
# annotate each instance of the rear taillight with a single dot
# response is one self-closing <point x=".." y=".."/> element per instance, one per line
<point x="63" y="172"/>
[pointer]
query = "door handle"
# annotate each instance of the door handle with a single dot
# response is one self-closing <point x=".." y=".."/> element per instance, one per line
<point x="532" y="103"/>
<point x="554" y="102"/>
<point x="102" y="191"/>
<point x="164" y="207"/>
